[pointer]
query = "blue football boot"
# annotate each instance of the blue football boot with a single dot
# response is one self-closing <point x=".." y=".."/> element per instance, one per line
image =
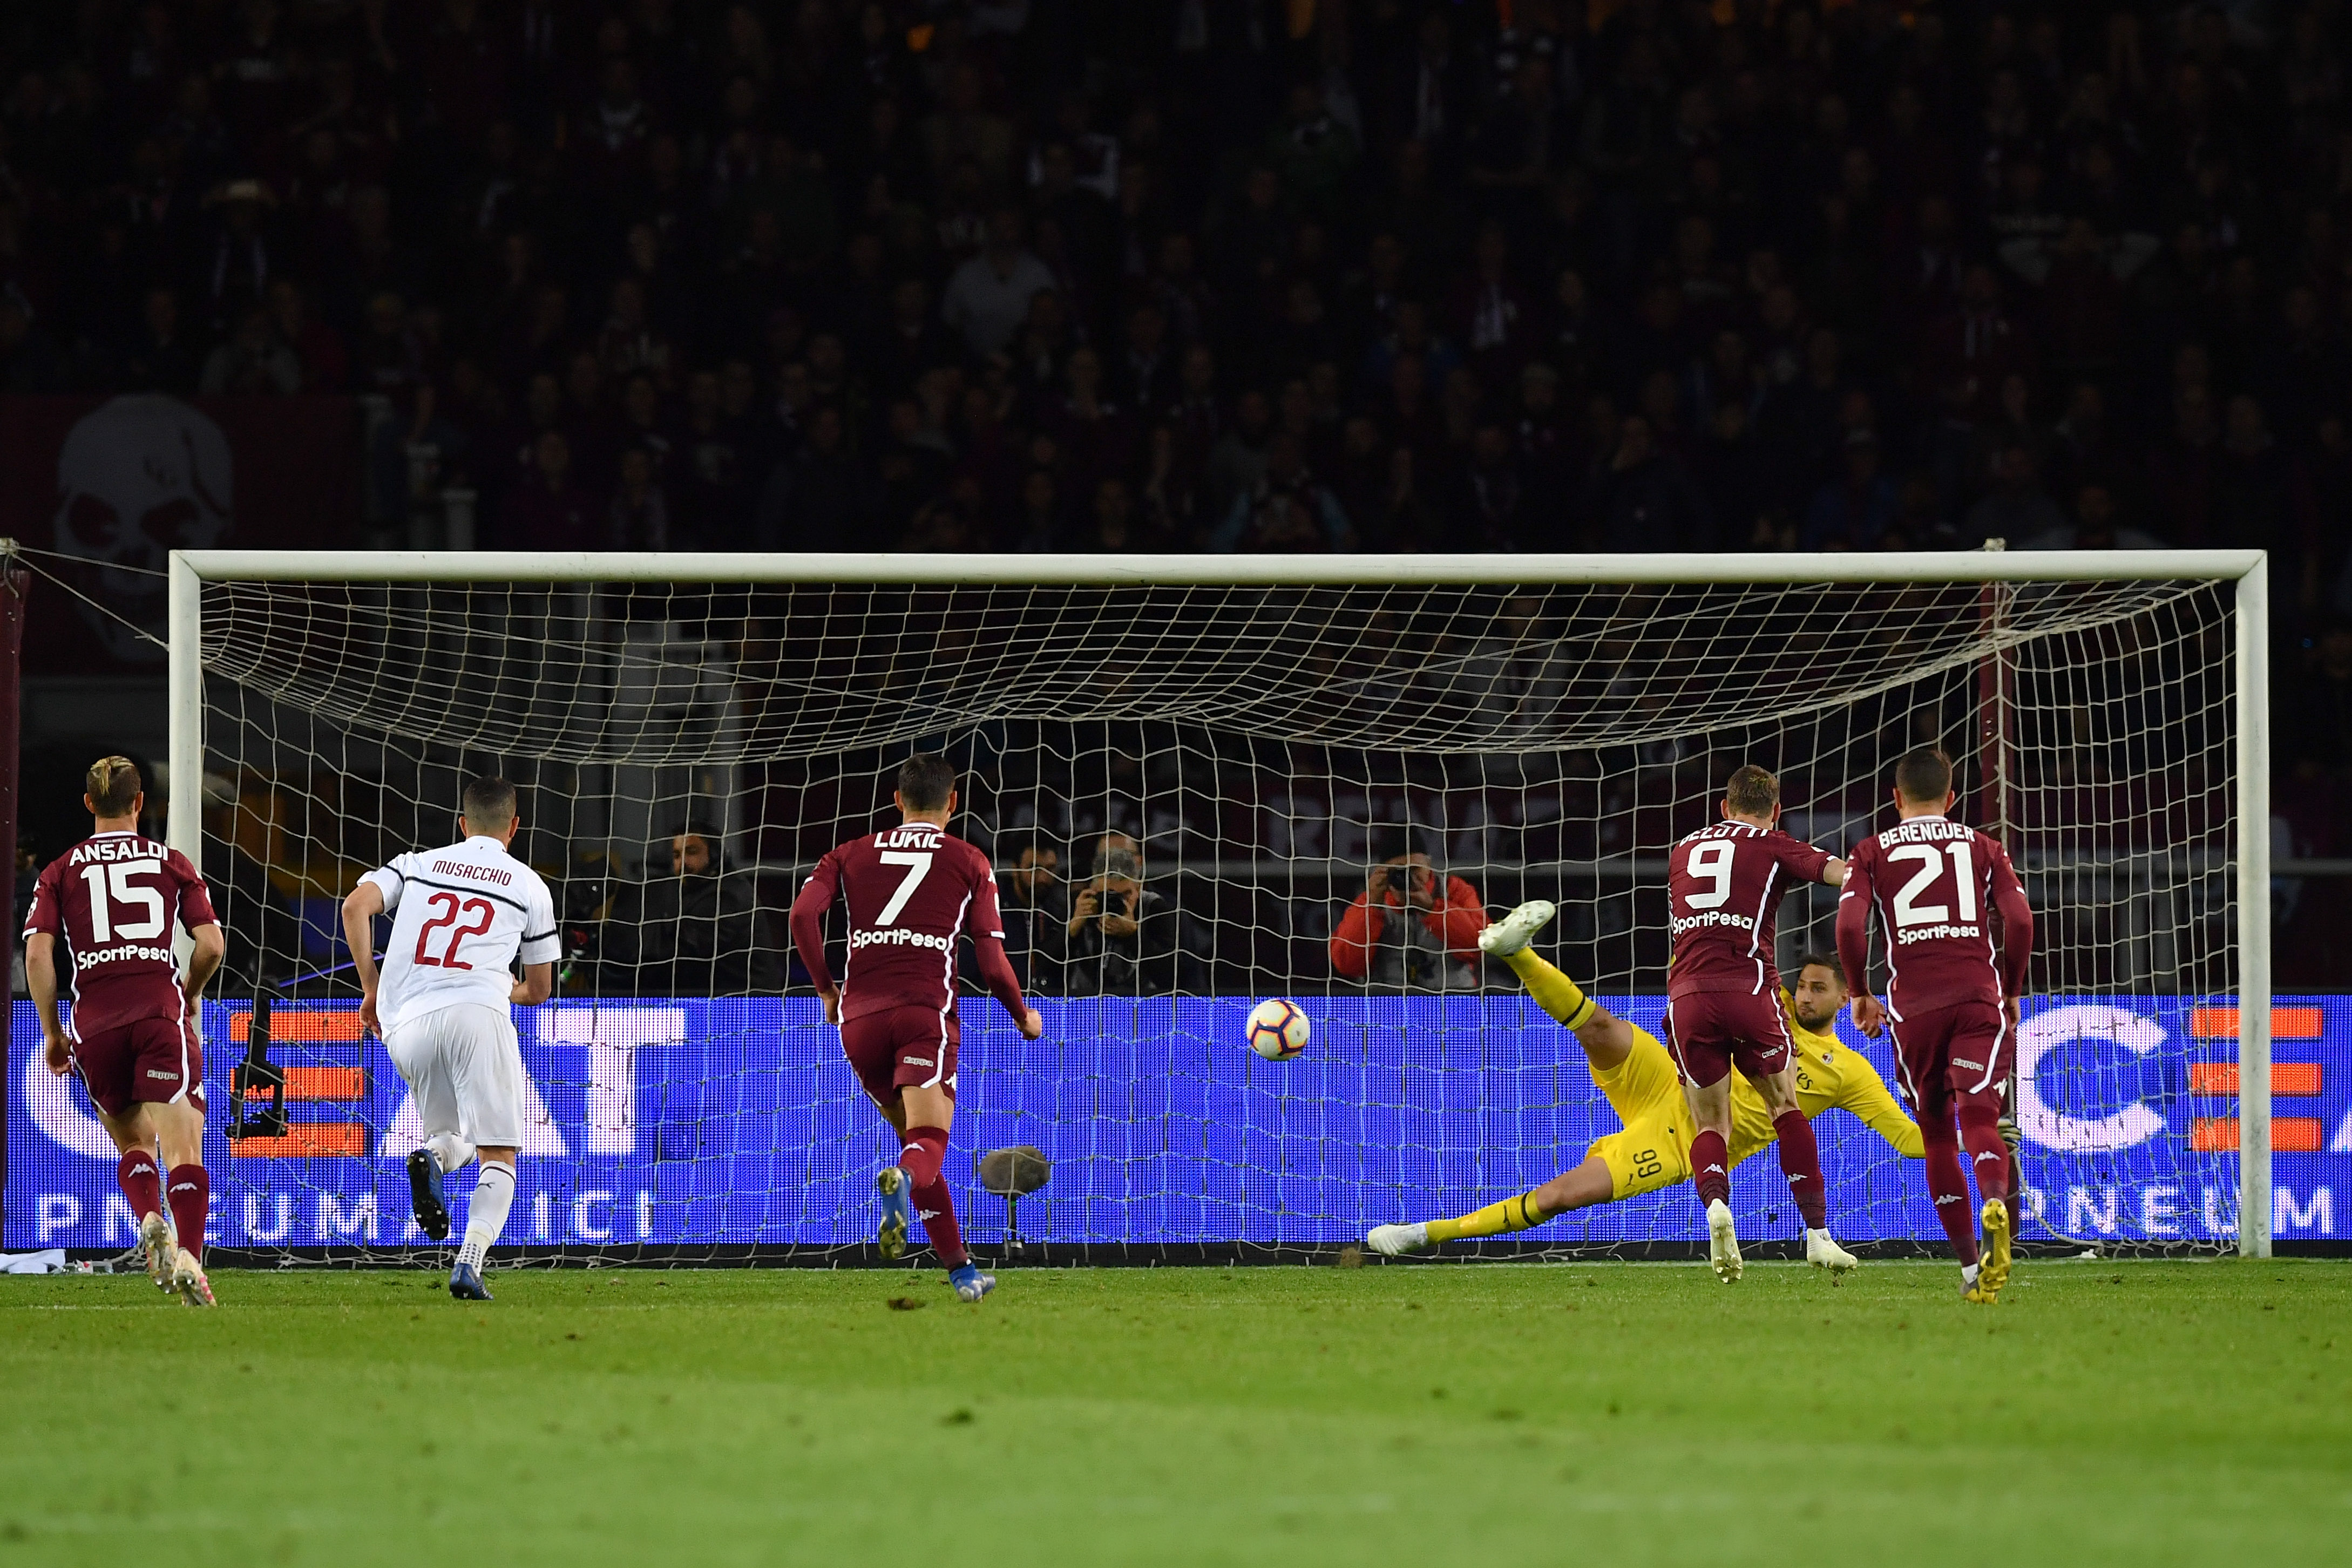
<point x="970" y="1283"/>
<point x="466" y="1283"/>
<point x="424" y="1197"/>
<point x="897" y="1211"/>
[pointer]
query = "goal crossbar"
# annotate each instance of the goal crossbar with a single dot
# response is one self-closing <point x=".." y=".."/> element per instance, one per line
<point x="2248" y="570"/>
<point x="1213" y="572"/>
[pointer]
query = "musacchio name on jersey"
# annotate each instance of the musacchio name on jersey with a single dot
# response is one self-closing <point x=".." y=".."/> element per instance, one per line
<point x="461" y="915"/>
<point x="1724" y="886"/>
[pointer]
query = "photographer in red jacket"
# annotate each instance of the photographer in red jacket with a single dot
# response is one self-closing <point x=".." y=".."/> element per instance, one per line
<point x="1412" y="928"/>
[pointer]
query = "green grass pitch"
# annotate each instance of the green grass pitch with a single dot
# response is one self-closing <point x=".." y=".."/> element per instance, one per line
<point x="1636" y="1416"/>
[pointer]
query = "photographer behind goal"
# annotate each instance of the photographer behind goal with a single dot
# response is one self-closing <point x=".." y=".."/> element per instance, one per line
<point x="1121" y="939"/>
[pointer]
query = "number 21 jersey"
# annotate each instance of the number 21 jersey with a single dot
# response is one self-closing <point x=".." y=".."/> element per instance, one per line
<point x="1934" y="885"/>
<point x="460" y="916"/>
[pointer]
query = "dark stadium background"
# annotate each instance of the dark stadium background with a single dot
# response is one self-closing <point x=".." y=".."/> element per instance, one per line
<point x="1268" y="274"/>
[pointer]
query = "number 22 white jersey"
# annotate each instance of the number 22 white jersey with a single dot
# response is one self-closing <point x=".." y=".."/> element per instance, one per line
<point x="460" y="915"/>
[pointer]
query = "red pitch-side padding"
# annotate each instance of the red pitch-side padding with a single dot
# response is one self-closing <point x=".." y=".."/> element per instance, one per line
<point x="310" y="1141"/>
<point x="301" y="1028"/>
<point x="2287" y="1023"/>
<point x="2289" y="1134"/>
<point x="2220" y="1078"/>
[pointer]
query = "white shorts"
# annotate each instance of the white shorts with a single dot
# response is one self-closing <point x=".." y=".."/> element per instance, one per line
<point x="463" y="1065"/>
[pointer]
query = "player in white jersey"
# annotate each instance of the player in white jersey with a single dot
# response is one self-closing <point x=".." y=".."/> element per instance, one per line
<point x="461" y="917"/>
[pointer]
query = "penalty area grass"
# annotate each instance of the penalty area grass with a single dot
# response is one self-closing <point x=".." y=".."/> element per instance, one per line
<point x="1636" y="1414"/>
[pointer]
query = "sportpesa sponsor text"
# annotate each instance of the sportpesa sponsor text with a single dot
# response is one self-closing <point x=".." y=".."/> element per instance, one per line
<point x="897" y="936"/>
<point x="1712" y="917"/>
<point x="1907" y="935"/>
<point x="96" y="956"/>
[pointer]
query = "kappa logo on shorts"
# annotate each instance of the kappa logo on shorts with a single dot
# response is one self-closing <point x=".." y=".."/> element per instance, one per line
<point x="918" y="1061"/>
<point x="1971" y="1066"/>
<point x="166" y="1077"/>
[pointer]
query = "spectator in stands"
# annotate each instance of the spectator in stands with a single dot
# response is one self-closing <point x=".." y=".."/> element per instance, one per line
<point x="693" y="933"/>
<point x="1036" y="907"/>
<point x="989" y="296"/>
<point x="545" y="509"/>
<point x="1121" y="937"/>
<point x="1412" y="928"/>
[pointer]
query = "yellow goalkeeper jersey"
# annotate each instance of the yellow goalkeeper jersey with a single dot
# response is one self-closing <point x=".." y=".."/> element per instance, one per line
<point x="1829" y="1074"/>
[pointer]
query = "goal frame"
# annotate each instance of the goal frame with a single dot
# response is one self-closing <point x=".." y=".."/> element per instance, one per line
<point x="2248" y="570"/>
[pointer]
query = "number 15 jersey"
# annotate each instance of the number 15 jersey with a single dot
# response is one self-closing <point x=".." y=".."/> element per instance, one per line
<point x="1724" y="887"/>
<point x="460" y="916"/>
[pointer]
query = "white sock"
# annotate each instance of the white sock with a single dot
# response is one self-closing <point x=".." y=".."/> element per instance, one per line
<point x="451" y="1151"/>
<point x="486" y="1213"/>
<point x="1967" y="1275"/>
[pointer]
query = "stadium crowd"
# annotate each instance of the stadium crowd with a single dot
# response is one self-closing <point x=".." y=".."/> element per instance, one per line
<point x="1258" y="274"/>
<point x="1243" y="275"/>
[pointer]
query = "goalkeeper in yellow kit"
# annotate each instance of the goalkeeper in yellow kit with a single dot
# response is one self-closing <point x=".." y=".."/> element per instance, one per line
<point x="1634" y="1072"/>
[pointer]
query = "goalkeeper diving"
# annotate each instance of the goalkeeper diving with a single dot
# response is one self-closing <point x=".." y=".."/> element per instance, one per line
<point x="1632" y="1069"/>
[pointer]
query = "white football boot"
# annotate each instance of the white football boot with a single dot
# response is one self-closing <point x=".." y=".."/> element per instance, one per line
<point x="188" y="1279"/>
<point x="1396" y="1240"/>
<point x="161" y="1249"/>
<point x="1822" y="1251"/>
<point x="1722" y="1241"/>
<point x="1514" y="931"/>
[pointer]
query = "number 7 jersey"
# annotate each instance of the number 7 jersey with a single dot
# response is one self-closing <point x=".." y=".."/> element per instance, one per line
<point x="910" y="890"/>
<point x="460" y="917"/>
<point x="1936" y="886"/>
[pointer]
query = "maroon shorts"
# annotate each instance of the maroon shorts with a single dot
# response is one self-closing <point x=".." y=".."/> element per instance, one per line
<point x="904" y="1048"/>
<point x="1710" y="1031"/>
<point x="1958" y="1054"/>
<point x="153" y="1060"/>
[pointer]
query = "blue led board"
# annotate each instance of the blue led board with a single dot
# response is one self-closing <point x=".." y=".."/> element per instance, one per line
<point x="693" y="1122"/>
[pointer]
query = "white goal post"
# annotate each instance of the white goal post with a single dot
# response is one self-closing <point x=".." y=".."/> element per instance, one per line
<point x="2242" y="573"/>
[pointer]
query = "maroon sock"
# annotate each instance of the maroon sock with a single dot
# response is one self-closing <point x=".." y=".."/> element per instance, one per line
<point x="1988" y="1154"/>
<point x="140" y="1183"/>
<point x="1950" y="1187"/>
<point x="1711" y="1167"/>
<point x="1801" y="1162"/>
<point x="936" y="1209"/>
<point x="926" y="1148"/>
<point x="192" y="1197"/>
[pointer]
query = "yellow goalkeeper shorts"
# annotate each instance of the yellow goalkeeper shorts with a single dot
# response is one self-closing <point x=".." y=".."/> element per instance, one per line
<point x="1654" y="1149"/>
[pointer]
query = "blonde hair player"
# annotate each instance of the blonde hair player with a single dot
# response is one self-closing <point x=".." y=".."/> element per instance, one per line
<point x="1632" y="1069"/>
<point x="110" y="903"/>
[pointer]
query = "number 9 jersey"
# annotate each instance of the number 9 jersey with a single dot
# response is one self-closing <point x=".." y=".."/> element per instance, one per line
<point x="460" y="917"/>
<point x="1724" y="887"/>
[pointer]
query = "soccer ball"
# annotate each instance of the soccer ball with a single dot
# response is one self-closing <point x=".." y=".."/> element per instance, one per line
<point x="1277" y="1030"/>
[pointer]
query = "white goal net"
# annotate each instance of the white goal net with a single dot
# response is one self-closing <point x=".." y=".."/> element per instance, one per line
<point x="1232" y="769"/>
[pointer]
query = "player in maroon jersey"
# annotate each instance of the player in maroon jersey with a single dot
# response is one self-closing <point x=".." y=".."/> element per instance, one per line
<point x="1952" y="984"/>
<point x="911" y="892"/>
<point x="111" y="903"/>
<point x="1724" y="887"/>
